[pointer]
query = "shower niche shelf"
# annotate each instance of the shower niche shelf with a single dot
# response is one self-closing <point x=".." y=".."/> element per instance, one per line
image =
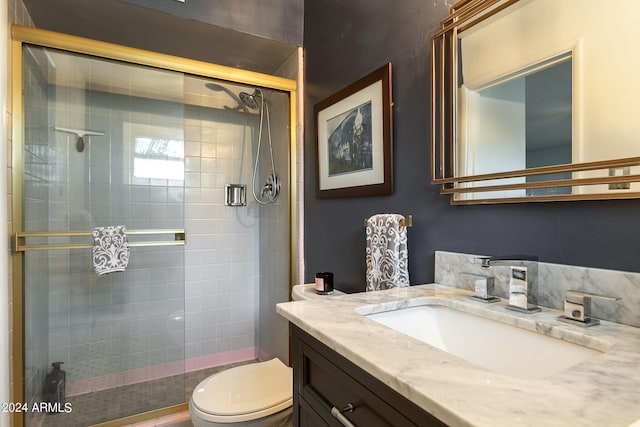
<point x="235" y="195"/>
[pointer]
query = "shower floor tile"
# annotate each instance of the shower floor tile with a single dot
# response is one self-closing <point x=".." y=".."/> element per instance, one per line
<point x="125" y="401"/>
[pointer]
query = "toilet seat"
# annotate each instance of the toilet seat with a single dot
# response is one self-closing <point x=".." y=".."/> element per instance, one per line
<point x="245" y="392"/>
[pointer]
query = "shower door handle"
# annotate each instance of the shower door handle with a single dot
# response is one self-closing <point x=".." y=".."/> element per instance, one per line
<point x="337" y="414"/>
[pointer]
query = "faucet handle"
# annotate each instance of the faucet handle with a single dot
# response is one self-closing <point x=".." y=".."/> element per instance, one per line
<point x="483" y="287"/>
<point x="580" y="297"/>
<point x="577" y="307"/>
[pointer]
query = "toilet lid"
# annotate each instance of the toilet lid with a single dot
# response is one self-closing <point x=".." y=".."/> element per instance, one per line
<point x="245" y="389"/>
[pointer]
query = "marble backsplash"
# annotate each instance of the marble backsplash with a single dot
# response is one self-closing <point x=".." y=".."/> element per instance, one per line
<point x="553" y="280"/>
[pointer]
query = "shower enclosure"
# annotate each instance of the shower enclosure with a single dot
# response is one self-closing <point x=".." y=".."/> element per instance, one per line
<point x="149" y="142"/>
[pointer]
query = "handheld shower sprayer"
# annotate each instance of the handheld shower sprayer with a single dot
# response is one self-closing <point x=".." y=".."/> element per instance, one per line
<point x="271" y="189"/>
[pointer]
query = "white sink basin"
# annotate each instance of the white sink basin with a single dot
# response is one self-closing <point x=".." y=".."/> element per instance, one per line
<point x="490" y="344"/>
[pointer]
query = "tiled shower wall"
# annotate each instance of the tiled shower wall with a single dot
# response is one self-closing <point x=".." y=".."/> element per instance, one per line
<point x="132" y="320"/>
<point x="122" y="322"/>
<point x="222" y="251"/>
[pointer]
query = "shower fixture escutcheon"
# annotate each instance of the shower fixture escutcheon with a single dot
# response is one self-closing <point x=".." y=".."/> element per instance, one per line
<point x="271" y="189"/>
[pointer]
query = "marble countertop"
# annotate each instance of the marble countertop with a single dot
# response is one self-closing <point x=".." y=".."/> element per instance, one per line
<point x="603" y="391"/>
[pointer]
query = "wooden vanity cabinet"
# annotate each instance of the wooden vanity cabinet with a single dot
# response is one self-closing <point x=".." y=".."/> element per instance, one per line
<point x="324" y="380"/>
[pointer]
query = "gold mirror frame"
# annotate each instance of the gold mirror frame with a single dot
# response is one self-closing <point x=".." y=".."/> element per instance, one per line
<point x="21" y="35"/>
<point x="444" y="50"/>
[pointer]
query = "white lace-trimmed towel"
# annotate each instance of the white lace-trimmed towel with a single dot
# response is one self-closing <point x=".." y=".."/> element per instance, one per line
<point x="387" y="255"/>
<point x="110" y="249"/>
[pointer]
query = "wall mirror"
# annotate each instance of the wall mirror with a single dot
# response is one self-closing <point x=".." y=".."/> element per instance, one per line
<point x="532" y="100"/>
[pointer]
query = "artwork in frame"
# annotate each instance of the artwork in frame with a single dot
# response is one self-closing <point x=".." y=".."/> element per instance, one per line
<point x="354" y="139"/>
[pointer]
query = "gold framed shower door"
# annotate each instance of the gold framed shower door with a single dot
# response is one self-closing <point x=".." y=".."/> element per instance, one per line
<point x="22" y="35"/>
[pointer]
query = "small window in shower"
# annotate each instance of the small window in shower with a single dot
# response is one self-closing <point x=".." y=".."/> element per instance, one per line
<point x="158" y="158"/>
<point x="153" y="151"/>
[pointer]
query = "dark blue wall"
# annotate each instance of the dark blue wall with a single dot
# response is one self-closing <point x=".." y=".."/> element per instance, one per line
<point x="273" y="19"/>
<point x="256" y="35"/>
<point x="345" y="40"/>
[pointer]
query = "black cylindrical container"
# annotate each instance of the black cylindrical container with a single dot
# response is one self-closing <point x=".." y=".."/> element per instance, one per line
<point x="324" y="283"/>
<point x="54" y="387"/>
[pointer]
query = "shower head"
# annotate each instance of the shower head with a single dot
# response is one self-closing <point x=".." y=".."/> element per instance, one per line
<point x="219" y="88"/>
<point x="253" y="101"/>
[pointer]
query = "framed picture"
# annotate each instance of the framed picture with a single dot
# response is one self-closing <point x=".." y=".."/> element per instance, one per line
<point x="354" y="139"/>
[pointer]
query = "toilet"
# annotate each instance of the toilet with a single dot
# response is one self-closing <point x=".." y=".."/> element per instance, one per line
<point x="257" y="395"/>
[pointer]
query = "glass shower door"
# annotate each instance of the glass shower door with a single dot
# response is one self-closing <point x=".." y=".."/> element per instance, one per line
<point x="104" y="146"/>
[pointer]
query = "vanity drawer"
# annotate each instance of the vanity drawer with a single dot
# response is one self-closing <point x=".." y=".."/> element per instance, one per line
<point x="324" y="380"/>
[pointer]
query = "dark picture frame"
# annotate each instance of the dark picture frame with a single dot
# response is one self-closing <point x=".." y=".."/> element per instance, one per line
<point x="354" y="139"/>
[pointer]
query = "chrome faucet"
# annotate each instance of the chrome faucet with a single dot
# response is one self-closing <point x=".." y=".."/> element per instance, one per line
<point x="523" y="280"/>
<point x="577" y="308"/>
<point x="488" y="261"/>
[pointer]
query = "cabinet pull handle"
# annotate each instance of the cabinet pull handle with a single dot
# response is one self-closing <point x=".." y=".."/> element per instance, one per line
<point x="337" y="414"/>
